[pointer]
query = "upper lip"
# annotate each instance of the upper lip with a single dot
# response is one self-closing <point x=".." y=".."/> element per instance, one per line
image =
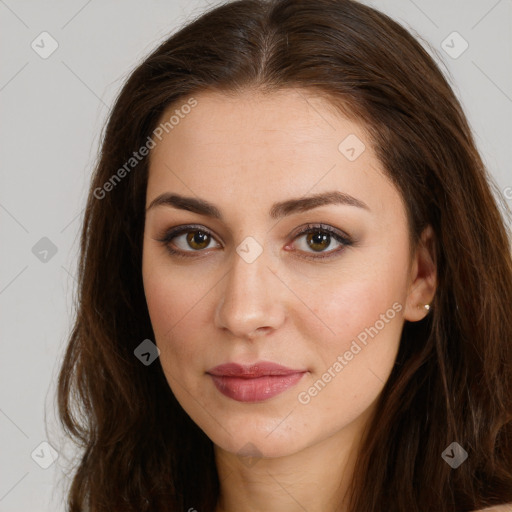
<point x="259" y="369"/>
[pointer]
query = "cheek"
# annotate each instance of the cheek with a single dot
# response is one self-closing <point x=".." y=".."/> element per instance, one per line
<point x="177" y="308"/>
<point x="344" y="308"/>
<point x="361" y="318"/>
<point x="161" y="300"/>
<point x="169" y="295"/>
<point x="354" y="358"/>
<point x="368" y="286"/>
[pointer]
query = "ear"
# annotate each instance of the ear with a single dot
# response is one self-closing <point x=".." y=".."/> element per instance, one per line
<point x="423" y="278"/>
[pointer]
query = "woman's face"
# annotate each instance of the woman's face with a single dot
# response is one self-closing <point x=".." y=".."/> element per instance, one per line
<point x="246" y="287"/>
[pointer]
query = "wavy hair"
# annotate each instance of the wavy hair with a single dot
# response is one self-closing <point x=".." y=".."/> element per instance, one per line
<point x="452" y="381"/>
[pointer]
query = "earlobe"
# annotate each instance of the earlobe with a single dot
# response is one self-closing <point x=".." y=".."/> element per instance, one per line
<point x="415" y="313"/>
<point x="423" y="279"/>
<point x="426" y="308"/>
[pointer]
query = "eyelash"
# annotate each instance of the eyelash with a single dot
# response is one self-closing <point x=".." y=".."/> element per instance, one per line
<point x="309" y="228"/>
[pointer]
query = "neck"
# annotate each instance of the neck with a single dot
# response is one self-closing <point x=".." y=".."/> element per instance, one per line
<point x="315" y="478"/>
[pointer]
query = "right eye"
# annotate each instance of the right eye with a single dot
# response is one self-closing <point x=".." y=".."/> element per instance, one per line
<point x="193" y="239"/>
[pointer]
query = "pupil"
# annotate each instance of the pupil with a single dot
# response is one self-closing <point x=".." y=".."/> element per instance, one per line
<point x="319" y="238"/>
<point x="198" y="238"/>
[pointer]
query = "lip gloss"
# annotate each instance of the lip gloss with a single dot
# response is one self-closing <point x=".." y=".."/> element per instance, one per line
<point x="255" y="389"/>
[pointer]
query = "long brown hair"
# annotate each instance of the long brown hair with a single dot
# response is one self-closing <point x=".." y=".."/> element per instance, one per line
<point x="452" y="381"/>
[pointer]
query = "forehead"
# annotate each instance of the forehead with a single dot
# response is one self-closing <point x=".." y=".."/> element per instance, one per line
<point x="252" y="118"/>
<point x="255" y="148"/>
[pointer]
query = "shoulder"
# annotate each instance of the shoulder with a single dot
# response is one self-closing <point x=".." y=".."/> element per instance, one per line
<point x="497" y="508"/>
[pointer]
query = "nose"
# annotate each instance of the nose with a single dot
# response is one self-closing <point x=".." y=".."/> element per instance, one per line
<point x="252" y="301"/>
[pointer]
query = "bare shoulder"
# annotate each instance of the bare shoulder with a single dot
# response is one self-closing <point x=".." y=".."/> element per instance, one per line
<point x="497" y="508"/>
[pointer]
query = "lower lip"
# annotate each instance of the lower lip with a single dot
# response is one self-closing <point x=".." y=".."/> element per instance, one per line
<point x="255" y="389"/>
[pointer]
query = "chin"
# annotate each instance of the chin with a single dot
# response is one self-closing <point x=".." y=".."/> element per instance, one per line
<point x="259" y="448"/>
<point x="252" y="442"/>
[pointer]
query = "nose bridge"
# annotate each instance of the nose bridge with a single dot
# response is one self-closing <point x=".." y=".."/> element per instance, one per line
<point x="252" y="294"/>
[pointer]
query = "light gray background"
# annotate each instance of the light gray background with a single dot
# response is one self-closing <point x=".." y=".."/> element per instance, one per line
<point x="52" y="113"/>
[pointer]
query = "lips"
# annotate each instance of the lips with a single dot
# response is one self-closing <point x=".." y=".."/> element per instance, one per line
<point x="260" y="369"/>
<point x="254" y="383"/>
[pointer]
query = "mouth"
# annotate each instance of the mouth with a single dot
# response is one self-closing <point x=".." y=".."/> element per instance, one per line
<point x="254" y="383"/>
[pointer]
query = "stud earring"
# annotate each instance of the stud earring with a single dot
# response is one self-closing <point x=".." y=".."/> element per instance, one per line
<point x="426" y="306"/>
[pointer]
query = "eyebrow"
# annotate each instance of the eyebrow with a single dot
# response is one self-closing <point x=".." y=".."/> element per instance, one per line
<point x="278" y="210"/>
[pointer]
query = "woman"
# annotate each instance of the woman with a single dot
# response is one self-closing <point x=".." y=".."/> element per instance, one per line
<point x="294" y="279"/>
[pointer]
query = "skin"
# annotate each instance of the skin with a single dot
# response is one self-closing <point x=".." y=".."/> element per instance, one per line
<point x="243" y="154"/>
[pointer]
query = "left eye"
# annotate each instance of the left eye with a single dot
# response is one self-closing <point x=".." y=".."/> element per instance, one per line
<point x="317" y="240"/>
<point x="320" y="237"/>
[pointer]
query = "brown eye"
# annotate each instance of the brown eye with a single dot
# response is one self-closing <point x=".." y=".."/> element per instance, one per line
<point x="198" y="239"/>
<point x="187" y="241"/>
<point x="318" y="241"/>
